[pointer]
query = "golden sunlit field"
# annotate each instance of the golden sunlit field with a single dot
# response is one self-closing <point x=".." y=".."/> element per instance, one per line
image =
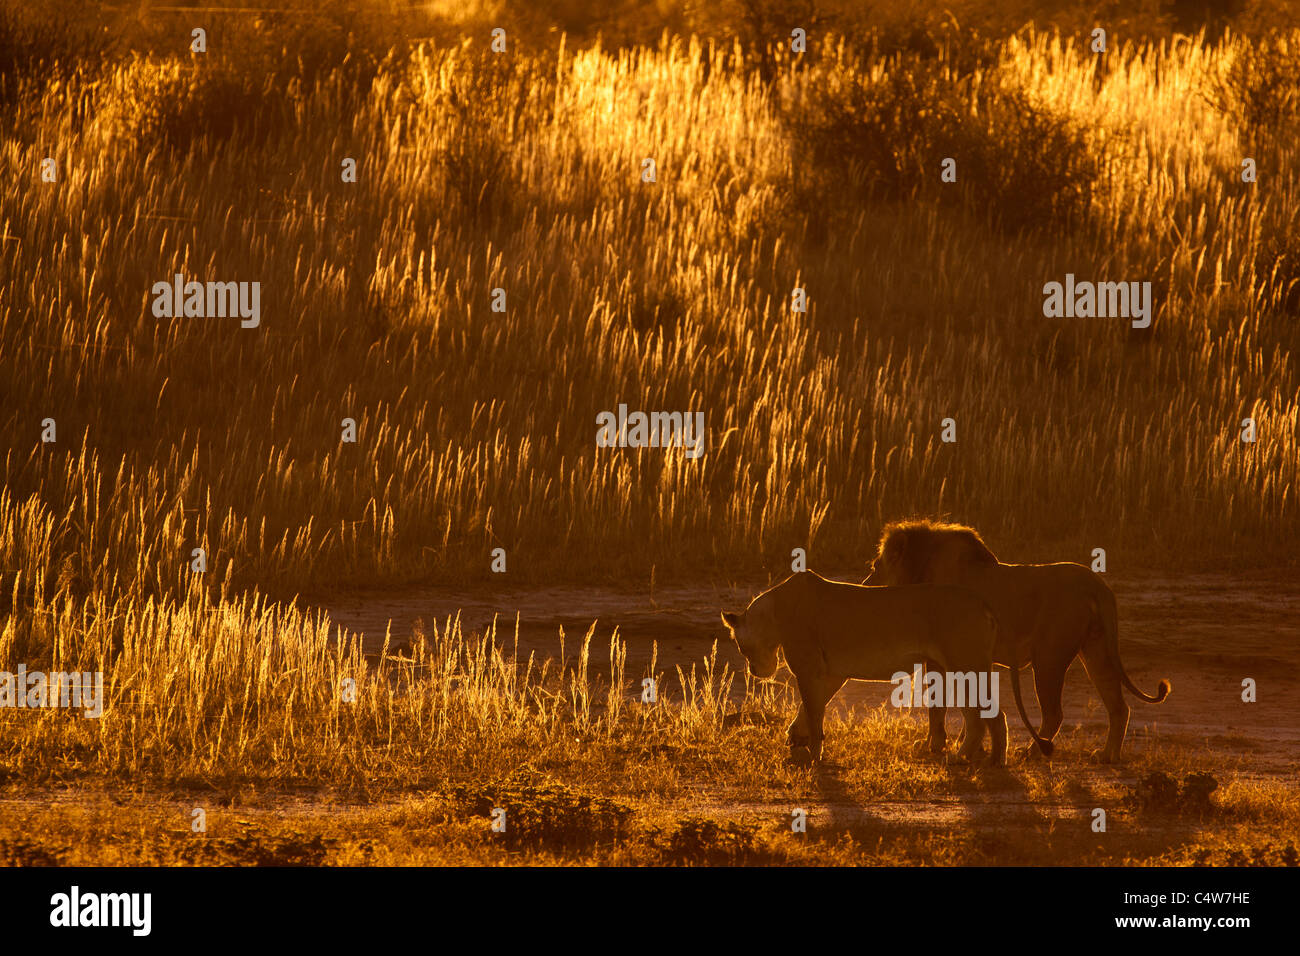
<point x="393" y="637"/>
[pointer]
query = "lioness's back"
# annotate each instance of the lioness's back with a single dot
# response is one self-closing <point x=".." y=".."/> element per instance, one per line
<point x="837" y="610"/>
<point x="926" y="599"/>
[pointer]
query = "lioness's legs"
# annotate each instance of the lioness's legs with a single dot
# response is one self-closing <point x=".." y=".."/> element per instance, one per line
<point x="798" y="734"/>
<point x="1105" y="677"/>
<point x="815" y="693"/>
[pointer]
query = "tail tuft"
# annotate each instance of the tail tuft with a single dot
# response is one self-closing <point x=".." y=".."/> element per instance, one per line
<point x="1163" y="690"/>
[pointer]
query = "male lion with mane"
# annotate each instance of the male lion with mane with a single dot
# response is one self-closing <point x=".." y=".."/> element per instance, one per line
<point x="832" y="632"/>
<point x="1047" y="614"/>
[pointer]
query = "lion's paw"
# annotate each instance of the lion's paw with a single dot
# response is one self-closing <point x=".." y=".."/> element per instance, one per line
<point x="928" y="746"/>
<point x="801" y="756"/>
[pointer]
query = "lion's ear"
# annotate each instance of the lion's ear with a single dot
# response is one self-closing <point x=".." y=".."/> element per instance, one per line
<point x="730" y="619"/>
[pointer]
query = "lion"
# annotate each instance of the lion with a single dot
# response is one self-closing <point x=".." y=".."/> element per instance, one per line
<point x="832" y="631"/>
<point x="1047" y="614"/>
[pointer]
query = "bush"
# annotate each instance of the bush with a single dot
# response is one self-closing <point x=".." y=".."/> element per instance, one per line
<point x="46" y="42"/>
<point x="887" y="131"/>
<point x="313" y="40"/>
<point x="178" y="105"/>
<point x="700" y="840"/>
<point x="471" y="105"/>
<point x="1259" y="88"/>
<point x="553" y="818"/>
<point x="1026" y="166"/>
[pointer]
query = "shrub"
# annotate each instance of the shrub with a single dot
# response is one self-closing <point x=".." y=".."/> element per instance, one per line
<point x="888" y="129"/>
<point x="147" y="101"/>
<point x="1258" y="89"/>
<point x="876" y="129"/>
<point x="1027" y="166"/>
<point x="700" y="840"/>
<point x="45" y="42"/>
<point x="471" y="104"/>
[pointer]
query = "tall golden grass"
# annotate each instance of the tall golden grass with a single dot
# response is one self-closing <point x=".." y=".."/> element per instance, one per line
<point x="201" y="690"/>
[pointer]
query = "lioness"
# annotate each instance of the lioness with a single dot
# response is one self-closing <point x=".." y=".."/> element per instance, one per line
<point x="831" y="632"/>
<point x="1047" y="614"/>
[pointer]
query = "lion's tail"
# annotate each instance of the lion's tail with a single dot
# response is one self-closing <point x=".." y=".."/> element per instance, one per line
<point x="1108" y="614"/>
<point x="1044" y="745"/>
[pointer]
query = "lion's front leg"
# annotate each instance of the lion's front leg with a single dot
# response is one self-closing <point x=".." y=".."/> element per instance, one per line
<point x="815" y="693"/>
<point x="797" y="734"/>
<point x="938" y="733"/>
<point x="936" y="741"/>
<point x="972" y="747"/>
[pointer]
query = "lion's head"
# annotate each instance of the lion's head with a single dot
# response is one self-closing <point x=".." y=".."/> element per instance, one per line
<point x="921" y="551"/>
<point x="757" y="635"/>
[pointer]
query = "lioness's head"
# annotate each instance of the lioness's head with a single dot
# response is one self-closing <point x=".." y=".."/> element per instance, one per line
<point x="923" y="551"/>
<point x="756" y="635"/>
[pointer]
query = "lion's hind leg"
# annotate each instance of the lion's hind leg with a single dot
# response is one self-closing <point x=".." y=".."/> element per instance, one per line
<point x="1106" y="678"/>
<point x="997" y="725"/>
<point x="1049" y="681"/>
